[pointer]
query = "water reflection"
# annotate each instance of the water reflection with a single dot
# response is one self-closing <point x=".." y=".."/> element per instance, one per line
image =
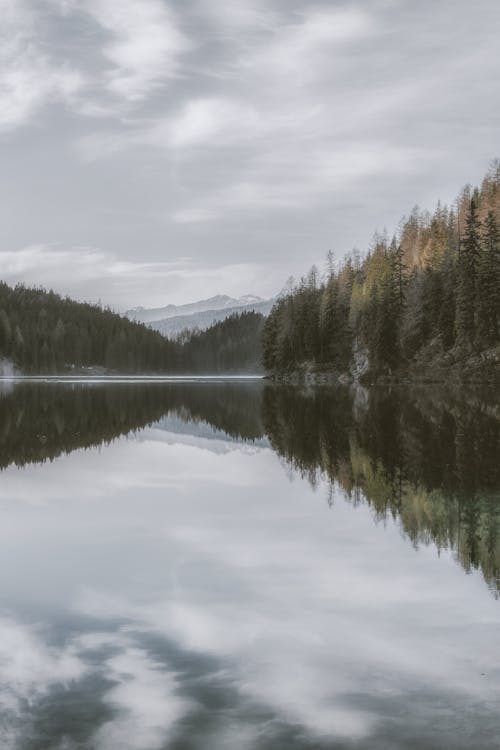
<point x="430" y="459"/>
<point x="42" y="420"/>
<point x="175" y="589"/>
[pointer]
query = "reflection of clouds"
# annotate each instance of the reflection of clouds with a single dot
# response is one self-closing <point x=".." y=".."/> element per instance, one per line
<point x="144" y="700"/>
<point x="29" y="669"/>
<point x="143" y="462"/>
<point x="142" y="692"/>
<point x="309" y="613"/>
<point x="312" y="621"/>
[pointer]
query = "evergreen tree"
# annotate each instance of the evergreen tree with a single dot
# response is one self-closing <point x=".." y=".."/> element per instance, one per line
<point x="468" y="264"/>
<point x="489" y="283"/>
<point x="434" y="289"/>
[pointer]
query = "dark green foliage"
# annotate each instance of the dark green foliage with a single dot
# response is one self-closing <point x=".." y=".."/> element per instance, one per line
<point x="488" y="282"/>
<point x="42" y="332"/>
<point x="468" y="266"/>
<point x="232" y="345"/>
<point x="433" y="290"/>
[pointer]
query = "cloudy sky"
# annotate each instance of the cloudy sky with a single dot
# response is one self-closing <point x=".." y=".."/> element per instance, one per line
<point x="157" y="151"/>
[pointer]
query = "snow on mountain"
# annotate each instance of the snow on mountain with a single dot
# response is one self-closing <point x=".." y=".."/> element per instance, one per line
<point x="172" y="319"/>
<point x="218" y="302"/>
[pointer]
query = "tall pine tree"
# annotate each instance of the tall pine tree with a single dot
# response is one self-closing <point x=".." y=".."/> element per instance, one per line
<point x="468" y="265"/>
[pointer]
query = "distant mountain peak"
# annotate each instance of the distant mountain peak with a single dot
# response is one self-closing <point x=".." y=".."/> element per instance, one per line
<point x="217" y="302"/>
<point x="172" y="319"/>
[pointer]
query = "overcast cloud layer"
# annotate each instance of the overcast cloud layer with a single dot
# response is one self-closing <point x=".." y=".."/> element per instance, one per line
<point x="159" y="151"/>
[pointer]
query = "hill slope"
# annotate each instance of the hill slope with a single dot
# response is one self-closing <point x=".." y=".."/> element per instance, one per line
<point x="42" y="332"/>
<point x="422" y="305"/>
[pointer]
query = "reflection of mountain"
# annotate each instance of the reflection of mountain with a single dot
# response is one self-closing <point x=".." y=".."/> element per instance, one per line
<point x="40" y="421"/>
<point x="430" y="461"/>
<point x="203" y="434"/>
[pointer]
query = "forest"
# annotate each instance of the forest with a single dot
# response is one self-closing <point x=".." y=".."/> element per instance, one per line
<point x="230" y="345"/>
<point x="425" y="301"/>
<point x="427" y="298"/>
<point x="42" y="332"/>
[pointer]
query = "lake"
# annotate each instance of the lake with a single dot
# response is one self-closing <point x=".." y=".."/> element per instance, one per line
<point x="239" y="565"/>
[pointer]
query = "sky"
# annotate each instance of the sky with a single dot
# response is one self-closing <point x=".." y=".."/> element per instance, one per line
<point x="162" y="151"/>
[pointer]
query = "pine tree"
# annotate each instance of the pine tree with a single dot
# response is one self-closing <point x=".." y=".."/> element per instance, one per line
<point x="489" y="282"/>
<point x="5" y="334"/>
<point x="399" y="273"/>
<point x="468" y="263"/>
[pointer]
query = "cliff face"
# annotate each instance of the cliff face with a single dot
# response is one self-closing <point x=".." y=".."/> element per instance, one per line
<point x="432" y="366"/>
<point x="7" y="368"/>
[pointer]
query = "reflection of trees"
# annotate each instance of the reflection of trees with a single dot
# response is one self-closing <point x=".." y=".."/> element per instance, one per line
<point x="428" y="459"/>
<point x="40" y="421"/>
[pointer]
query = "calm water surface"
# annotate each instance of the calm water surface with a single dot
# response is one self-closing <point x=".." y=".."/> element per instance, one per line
<point x="233" y="565"/>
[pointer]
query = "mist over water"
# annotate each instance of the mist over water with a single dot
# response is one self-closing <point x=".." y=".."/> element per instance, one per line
<point x="237" y="565"/>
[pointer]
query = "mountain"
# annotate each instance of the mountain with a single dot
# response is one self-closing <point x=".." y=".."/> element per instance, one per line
<point x="219" y="302"/>
<point x="173" y="319"/>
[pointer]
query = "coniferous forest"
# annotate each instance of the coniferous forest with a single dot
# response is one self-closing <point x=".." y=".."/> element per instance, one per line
<point x="426" y="300"/>
<point x="422" y="303"/>
<point x="42" y="332"/>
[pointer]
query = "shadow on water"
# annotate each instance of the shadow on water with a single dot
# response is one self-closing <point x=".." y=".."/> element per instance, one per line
<point x="428" y="459"/>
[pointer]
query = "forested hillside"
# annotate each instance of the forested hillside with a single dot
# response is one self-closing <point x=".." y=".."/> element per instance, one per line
<point x="231" y="345"/>
<point x="425" y="302"/>
<point x="41" y="332"/>
<point x="426" y="299"/>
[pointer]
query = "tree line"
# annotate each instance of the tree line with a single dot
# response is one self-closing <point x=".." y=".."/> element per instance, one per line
<point x="42" y="332"/>
<point x="430" y="292"/>
<point x="230" y="345"/>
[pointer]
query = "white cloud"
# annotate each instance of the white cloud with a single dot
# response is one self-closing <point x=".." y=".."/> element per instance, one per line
<point x="208" y="120"/>
<point x="91" y="275"/>
<point x="29" y="79"/>
<point x="245" y="15"/>
<point x="282" y="181"/>
<point x="267" y="122"/>
<point x="142" y="49"/>
<point x="144" y="46"/>
<point x="304" y="50"/>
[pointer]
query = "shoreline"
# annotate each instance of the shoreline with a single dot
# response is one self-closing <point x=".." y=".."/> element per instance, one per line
<point x="126" y="378"/>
